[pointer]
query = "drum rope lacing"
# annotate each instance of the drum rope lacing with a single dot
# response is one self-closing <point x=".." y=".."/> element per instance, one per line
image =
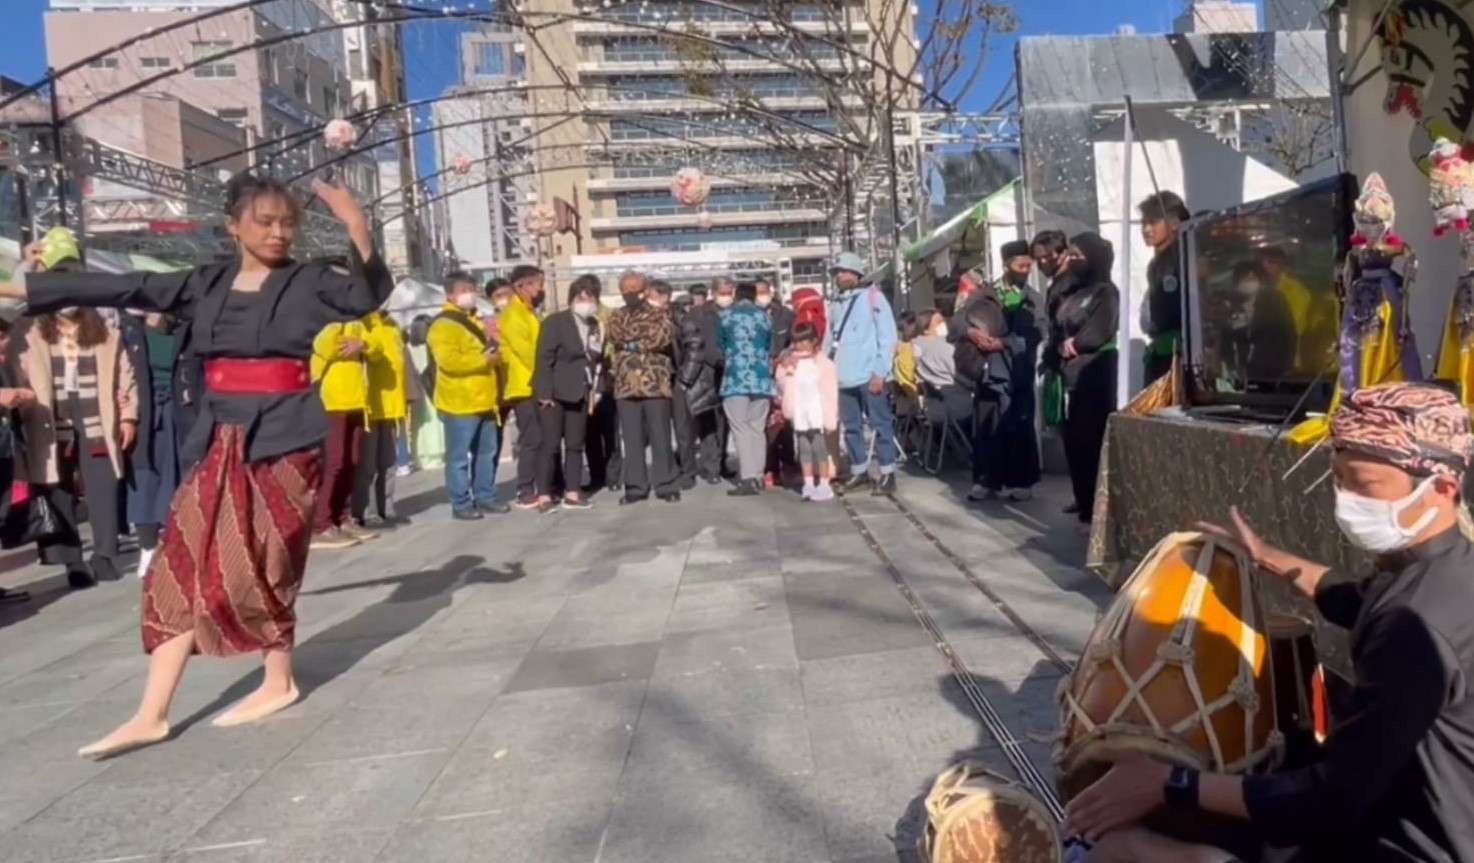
<point x="1178" y="651"/>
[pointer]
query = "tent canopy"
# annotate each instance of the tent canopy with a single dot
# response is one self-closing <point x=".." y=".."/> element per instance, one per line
<point x="968" y="227"/>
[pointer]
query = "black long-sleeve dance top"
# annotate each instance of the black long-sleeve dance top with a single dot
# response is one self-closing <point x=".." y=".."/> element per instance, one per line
<point x="296" y="301"/>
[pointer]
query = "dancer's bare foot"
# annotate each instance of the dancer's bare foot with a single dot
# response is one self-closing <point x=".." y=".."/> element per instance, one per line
<point x="266" y="700"/>
<point x="133" y="734"/>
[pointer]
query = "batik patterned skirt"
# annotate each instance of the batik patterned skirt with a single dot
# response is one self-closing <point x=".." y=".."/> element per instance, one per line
<point x="234" y="547"/>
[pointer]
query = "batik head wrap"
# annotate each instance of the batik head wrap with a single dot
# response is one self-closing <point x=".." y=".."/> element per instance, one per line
<point x="1420" y="428"/>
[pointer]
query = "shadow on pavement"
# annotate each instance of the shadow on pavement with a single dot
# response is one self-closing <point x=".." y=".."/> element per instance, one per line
<point x="417" y="597"/>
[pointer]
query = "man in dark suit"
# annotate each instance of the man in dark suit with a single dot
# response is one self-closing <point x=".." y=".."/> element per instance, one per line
<point x="568" y="349"/>
<point x="710" y="423"/>
<point x="780" y="446"/>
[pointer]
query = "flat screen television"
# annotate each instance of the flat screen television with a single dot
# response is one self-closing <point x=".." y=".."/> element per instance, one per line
<point x="1260" y="308"/>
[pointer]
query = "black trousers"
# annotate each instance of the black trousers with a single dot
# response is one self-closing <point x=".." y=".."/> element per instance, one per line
<point x="646" y="422"/>
<point x="564" y="428"/>
<point x="529" y="446"/>
<point x="685" y="426"/>
<point x="987" y="449"/>
<point x="373" y="482"/>
<point x="710" y="429"/>
<point x="606" y="463"/>
<point x="1091" y="402"/>
<point x="780" y="452"/>
<point x="100" y="493"/>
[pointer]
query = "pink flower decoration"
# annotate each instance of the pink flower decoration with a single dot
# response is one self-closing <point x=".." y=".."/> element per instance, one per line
<point x="339" y="134"/>
<point x="462" y="164"/>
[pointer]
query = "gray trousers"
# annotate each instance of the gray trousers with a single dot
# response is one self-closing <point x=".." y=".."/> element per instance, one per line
<point x="747" y="416"/>
<point x="813" y="451"/>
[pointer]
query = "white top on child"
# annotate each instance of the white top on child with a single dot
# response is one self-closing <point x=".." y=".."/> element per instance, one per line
<point x="808" y="414"/>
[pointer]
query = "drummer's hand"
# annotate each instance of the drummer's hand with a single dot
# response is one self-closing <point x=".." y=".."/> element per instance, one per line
<point x="1241" y="533"/>
<point x="1132" y="788"/>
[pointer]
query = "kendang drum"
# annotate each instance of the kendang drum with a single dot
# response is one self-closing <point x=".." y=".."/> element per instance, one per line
<point x="1178" y="668"/>
<point x="977" y="816"/>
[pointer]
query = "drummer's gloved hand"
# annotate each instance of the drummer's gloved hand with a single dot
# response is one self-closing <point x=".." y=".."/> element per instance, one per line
<point x="1132" y="788"/>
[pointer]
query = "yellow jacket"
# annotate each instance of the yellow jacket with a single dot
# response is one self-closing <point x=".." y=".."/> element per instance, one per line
<point x="384" y="351"/>
<point x="343" y="380"/>
<point x="517" y="328"/>
<point x="465" y="380"/>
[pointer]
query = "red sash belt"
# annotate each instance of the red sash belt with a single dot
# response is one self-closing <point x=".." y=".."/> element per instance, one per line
<point x="256" y="376"/>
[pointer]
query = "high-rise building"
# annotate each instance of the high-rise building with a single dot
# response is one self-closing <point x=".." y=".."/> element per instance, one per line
<point x="213" y="104"/>
<point x="641" y="114"/>
<point x="483" y="156"/>
<point x="1217" y="16"/>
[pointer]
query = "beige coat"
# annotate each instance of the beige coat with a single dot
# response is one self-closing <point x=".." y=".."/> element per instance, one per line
<point x="30" y="368"/>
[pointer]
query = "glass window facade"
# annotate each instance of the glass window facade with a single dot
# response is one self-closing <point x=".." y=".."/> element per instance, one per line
<point x="740" y="200"/>
<point x="222" y="68"/>
<point x="692" y="239"/>
<point x="661" y="128"/>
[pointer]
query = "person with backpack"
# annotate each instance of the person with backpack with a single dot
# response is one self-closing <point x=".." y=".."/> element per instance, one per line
<point x="464" y="393"/>
<point x="862" y="343"/>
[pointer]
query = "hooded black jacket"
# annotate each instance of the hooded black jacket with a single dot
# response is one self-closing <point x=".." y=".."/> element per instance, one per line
<point x="1089" y="308"/>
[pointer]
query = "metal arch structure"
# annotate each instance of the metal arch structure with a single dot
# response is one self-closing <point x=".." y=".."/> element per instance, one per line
<point x="906" y="137"/>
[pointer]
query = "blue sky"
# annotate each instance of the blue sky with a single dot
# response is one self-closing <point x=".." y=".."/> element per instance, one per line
<point x="24" y="57"/>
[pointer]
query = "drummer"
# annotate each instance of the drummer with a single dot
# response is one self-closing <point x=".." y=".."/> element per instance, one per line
<point x="1396" y="781"/>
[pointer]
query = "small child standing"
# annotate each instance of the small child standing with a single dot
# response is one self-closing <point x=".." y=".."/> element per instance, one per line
<point x="810" y="391"/>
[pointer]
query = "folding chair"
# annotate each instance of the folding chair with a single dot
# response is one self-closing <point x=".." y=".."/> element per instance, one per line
<point x="943" y="431"/>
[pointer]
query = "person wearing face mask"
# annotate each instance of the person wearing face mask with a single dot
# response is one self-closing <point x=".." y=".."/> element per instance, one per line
<point x="1395" y="780"/>
<point x="79" y="429"/>
<point x="746" y="334"/>
<point x="464" y="391"/>
<point x="642" y="336"/>
<point x="339" y="367"/>
<point x="1014" y="457"/>
<point x="518" y="327"/>
<point x="1084" y="340"/>
<point x="711" y="425"/>
<point x="569" y="348"/>
<point x="1048" y="249"/>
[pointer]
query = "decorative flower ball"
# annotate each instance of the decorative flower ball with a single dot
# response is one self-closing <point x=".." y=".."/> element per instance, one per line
<point x="541" y="220"/>
<point x="690" y="187"/>
<point x="703" y="220"/>
<point x="339" y="134"/>
<point x="462" y="164"/>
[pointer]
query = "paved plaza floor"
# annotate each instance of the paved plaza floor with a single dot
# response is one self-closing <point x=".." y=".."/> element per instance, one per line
<point x="725" y="679"/>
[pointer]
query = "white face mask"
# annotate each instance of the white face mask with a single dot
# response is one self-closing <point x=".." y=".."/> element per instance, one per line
<point x="1373" y="524"/>
<point x="725" y="300"/>
<point x="585" y="308"/>
<point x="500" y="305"/>
<point x="764" y="300"/>
<point x="465" y="301"/>
<point x="942" y="329"/>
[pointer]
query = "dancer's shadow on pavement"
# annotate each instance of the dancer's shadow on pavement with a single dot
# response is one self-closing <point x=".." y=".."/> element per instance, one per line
<point x="417" y="597"/>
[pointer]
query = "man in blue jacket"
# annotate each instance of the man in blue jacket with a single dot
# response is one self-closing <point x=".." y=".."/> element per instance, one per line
<point x="862" y="342"/>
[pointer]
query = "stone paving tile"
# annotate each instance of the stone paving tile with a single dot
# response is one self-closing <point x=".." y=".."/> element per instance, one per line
<point x="545" y="724"/>
<point x="333" y="795"/>
<point x="358" y="845"/>
<point x="755" y="603"/>
<point x="739" y="649"/>
<point x="867" y="676"/>
<point x="757" y="745"/>
<point x="504" y="837"/>
<point x="103" y="819"/>
<point x="715" y="818"/>
<point x="840" y="614"/>
<point x="547" y="668"/>
<point x="721" y="691"/>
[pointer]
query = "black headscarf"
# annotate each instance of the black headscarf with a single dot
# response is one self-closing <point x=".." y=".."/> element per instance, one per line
<point x="1100" y="256"/>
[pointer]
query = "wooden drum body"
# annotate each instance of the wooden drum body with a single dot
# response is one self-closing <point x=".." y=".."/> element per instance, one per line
<point x="1178" y="668"/>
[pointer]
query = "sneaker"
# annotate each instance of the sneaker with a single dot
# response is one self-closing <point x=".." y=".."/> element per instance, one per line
<point x="468" y="514"/>
<point x="527" y="502"/>
<point x="823" y="492"/>
<point x="979" y="493"/>
<point x="669" y="496"/>
<point x="745" y="488"/>
<point x="145" y="557"/>
<point x="809" y="491"/>
<point x="331" y="539"/>
<point x="404" y="470"/>
<point x="359" y="532"/>
<point x="547" y="506"/>
<point x="577" y="503"/>
<point x="631" y="499"/>
<point x="494" y="507"/>
<point x="886" y="486"/>
<point x="1019" y="494"/>
<point x="768" y="480"/>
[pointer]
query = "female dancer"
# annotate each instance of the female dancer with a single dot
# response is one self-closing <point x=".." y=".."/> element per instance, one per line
<point x="230" y="562"/>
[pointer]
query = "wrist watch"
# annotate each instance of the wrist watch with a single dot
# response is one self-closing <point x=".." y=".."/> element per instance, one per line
<point x="1181" y="790"/>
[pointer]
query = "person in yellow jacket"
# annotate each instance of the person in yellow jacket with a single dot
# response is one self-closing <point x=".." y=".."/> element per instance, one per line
<point x="518" y="328"/>
<point x="465" y="396"/>
<point x="339" y="368"/>
<point x="387" y="406"/>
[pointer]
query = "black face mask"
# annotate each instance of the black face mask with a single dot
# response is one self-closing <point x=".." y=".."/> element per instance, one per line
<point x="1015" y="279"/>
<point x="633" y="301"/>
<point x="537" y="301"/>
